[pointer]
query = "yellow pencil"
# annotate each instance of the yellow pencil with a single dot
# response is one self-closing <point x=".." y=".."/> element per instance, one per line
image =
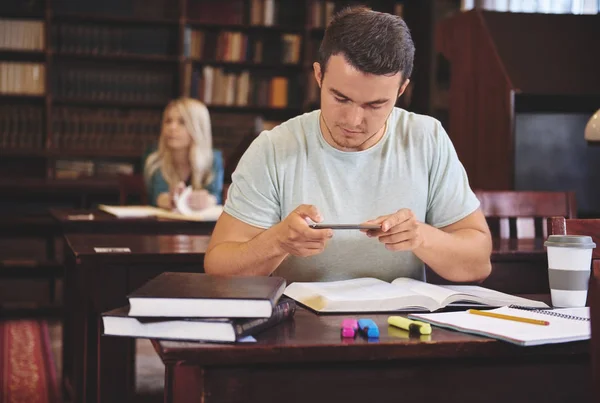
<point x="509" y="317"/>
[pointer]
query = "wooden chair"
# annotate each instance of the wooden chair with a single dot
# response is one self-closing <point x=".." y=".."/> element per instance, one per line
<point x="590" y="227"/>
<point x="519" y="261"/>
<point x="521" y="214"/>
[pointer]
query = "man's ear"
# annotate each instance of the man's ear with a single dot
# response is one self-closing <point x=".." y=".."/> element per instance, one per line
<point x="403" y="87"/>
<point x="317" y="72"/>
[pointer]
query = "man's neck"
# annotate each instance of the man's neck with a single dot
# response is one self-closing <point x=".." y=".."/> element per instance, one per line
<point x="368" y="143"/>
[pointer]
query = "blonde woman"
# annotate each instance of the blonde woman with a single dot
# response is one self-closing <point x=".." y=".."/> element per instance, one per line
<point x="184" y="157"/>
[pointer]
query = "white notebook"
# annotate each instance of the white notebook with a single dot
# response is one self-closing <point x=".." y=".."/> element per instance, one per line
<point x="566" y="324"/>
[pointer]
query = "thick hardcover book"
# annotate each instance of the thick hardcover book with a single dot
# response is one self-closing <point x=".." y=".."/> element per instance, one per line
<point x="118" y="322"/>
<point x="374" y="295"/>
<point x="197" y="295"/>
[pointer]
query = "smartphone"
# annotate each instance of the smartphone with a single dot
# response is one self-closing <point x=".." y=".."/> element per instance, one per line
<point x="345" y="226"/>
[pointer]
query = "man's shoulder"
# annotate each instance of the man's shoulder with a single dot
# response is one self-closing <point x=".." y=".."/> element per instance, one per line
<point x="414" y="122"/>
<point x="291" y="134"/>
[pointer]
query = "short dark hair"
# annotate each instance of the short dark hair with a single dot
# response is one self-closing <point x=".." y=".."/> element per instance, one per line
<point x="372" y="42"/>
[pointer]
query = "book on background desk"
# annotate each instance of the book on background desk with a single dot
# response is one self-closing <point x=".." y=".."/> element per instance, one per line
<point x="565" y="324"/>
<point x="374" y="295"/>
<point x="119" y="322"/>
<point x="208" y="214"/>
<point x="199" y="295"/>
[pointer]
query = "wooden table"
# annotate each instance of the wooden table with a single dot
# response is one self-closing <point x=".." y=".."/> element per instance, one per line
<point x="98" y="282"/>
<point x="305" y="360"/>
<point x="519" y="266"/>
<point x="96" y="221"/>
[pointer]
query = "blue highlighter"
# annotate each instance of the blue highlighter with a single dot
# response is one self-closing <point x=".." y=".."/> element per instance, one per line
<point x="368" y="328"/>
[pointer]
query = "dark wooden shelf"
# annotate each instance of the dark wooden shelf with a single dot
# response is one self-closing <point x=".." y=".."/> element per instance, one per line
<point x="21" y="55"/>
<point x="115" y="57"/>
<point x="95" y="153"/>
<point x="21" y="97"/>
<point x="112" y="19"/>
<point x="248" y="65"/>
<point x="254" y="109"/>
<point x="22" y="16"/>
<point x="244" y="27"/>
<point x="22" y="152"/>
<point x="109" y="103"/>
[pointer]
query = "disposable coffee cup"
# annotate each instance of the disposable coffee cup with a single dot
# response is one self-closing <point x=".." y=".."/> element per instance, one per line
<point x="569" y="267"/>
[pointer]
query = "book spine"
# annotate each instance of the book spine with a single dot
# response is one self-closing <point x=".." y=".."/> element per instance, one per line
<point x="283" y="310"/>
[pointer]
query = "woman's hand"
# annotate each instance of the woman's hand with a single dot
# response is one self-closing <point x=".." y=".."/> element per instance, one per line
<point x="201" y="199"/>
<point x="175" y="193"/>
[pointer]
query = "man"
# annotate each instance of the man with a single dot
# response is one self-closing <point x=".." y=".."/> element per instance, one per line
<point x="357" y="160"/>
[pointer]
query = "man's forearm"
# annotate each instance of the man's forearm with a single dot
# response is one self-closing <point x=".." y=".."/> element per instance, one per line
<point x="259" y="256"/>
<point x="462" y="255"/>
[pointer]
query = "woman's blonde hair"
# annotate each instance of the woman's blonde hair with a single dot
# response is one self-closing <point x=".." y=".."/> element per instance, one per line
<point x="197" y="122"/>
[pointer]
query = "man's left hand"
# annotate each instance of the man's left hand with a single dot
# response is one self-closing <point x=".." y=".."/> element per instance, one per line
<point x="399" y="231"/>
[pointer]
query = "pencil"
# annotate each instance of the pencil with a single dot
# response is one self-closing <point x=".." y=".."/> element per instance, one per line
<point x="509" y="317"/>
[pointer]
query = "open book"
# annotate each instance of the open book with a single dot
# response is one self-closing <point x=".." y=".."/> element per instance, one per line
<point x="566" y="324"/>
<point x="373" y="295"/>
<point x="208" y="214"/>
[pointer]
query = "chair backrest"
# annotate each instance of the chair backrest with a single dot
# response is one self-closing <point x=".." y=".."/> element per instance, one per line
<point x="521" y="214"/>
<point x="132" y="189"/>
<point x="590" y="227"/>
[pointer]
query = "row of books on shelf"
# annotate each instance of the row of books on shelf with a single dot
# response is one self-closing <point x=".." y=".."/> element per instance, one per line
<point x="111" y="40"/>
<point x="321" y="11"/>
<point x="104" y="129"/>
<point x="215" y="86"/>
<point x="231" y="46"/>
<point x="121" y="8"/>
<point x="21" y="34"/>
<point x="285" y="13"/>
<point x="22" y="78"/>
<point x="74" y="169"/>
<point x="114" y="84"/>
<point x="21" y="127"/>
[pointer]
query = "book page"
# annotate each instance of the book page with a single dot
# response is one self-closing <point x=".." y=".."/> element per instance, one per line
<point x="438" y="293"/>
<point x="357" y="295"/>
<point x="488" y="297"/>
<point x="130" y="211"/>
<point x="208" y="214"/>
<point x="560" y="330"/>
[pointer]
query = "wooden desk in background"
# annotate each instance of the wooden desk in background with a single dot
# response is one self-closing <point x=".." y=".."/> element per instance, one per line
<point x="519" y="266"/>
<point x="97" y="282"/>
<point x="96" y="221"/>
<point x="305" y="360"/>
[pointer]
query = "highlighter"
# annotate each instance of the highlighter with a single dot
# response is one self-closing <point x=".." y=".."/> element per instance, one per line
<point x="410" y="325"/>
<point x="349" y="327"/>
<point x="369" y="328"/>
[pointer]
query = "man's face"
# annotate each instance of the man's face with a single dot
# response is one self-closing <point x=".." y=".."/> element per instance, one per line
<point x="355" y="105"/>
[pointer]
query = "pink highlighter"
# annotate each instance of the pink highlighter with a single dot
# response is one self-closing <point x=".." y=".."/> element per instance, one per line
<point x="349" y="327"/>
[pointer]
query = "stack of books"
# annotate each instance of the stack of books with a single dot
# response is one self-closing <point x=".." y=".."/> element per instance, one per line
<point x="201" y="307"/>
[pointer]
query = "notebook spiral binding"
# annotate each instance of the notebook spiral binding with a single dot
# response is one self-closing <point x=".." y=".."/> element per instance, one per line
<point x="550" y="312"/>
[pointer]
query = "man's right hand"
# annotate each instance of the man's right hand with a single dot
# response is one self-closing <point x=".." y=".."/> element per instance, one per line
<point x="297" y="238"/>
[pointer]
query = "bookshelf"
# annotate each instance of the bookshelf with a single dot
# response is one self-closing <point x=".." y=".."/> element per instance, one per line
<point x="76" y="75"/>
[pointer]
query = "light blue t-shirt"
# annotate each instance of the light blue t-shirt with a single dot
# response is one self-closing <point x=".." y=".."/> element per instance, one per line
<point x="413" y="166"/>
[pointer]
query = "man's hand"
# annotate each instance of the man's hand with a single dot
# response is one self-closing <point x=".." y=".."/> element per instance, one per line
<point x="399" y="231"/>
<point x="297" y="238"/>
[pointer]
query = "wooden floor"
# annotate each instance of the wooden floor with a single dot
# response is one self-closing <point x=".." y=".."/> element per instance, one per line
<point x="149" y="368"/>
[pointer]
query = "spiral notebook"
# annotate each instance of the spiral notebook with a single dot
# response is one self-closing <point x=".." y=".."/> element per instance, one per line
<point x="566" y="324"/>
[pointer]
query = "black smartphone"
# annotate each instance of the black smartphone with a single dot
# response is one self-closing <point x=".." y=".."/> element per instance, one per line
<point x="345" y="226"/>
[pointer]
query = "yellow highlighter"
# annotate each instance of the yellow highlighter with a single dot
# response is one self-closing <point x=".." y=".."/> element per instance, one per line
<point x="410" y="325"/>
